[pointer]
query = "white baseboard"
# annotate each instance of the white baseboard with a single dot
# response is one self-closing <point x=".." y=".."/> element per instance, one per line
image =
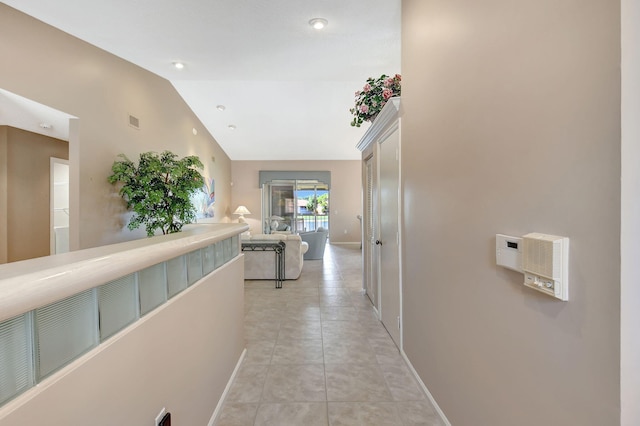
<point x="426" y="391"/>
<point x="226" y="389"/>
<point x="345" y="243"/>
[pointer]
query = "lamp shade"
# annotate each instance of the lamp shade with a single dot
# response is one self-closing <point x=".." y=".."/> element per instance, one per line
<point x="242" y="210"/>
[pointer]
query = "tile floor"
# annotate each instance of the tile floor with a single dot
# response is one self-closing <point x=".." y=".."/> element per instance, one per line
<point x="316" y="355"/>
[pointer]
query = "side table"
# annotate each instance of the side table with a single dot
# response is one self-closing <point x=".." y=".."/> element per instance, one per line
<point x="266" y="245"/>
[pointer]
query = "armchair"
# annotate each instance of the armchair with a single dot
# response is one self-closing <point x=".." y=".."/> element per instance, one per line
<point x="317" y="242"/>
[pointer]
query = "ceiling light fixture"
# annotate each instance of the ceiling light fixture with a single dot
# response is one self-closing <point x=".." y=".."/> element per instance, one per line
<point x="231" y="126"/>
<point x="45" y="125"/>
<point x="221" y="107"/>
<point x="318" y="23"/>
<point x="178" y="65"/>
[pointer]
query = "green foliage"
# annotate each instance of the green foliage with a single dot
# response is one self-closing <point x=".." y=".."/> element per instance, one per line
<point x="158" y="190"/>
<point x="313" y="202"/>
<point x="373" y="97"/>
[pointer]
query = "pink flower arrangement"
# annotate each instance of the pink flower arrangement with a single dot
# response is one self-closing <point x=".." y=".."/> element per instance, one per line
<point x="373" y="96"/>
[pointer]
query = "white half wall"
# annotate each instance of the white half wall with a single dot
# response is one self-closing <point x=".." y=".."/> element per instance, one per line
<point x="179" y="356"/>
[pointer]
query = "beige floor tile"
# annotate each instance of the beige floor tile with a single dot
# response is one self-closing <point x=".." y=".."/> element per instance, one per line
<point x="260" y="330"/>
<point x="401" y="383"/>
<point x="295" y="383"/>
<point x="262" y="314"/>
<point x="316" y="340"/>
<point x="237" y="414"/>
<point x="300" y="312"/>
<point x="299" y="351"/>
<point x="338" y="313"/>
<point x="333" y="291"/>
<point x="418" y="413"/>
<point x="337" y="300"/>
<point x="248" y="384"/>
<point x="356" y="383"/>
<point x="259" y="352"/>
<point x="346" y="330"/>
<point x="344" y="351"/>
<point x="300" y="330"/>
<point x="292" y="414"/>
<point x="363" y="414"/>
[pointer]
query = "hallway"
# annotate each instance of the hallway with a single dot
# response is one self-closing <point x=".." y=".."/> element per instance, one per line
<point x="316" y="355"/>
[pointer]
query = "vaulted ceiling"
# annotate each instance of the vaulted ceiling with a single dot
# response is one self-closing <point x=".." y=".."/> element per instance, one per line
<point x="286" y="87"/>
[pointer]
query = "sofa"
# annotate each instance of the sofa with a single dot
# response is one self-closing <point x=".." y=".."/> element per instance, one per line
<point x="260" y="265"/>
<point x="317" y="241"/>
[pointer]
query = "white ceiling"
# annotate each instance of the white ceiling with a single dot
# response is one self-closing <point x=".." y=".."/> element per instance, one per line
<point x="286" y="87"/>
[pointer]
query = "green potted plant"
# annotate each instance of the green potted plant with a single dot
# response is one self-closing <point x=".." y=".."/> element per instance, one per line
<point x="373" y="96"/>
<point x="158" y="189"/>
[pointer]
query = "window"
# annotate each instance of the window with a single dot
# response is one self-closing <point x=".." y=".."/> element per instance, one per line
<point x="294" y="205"/>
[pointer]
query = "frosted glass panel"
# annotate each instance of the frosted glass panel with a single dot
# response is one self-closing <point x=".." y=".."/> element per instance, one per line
<point x="64" y="331"/>
<point x="152" y="284"/>
<point x="194" y="266"/>
<point x="176" y="275"/>
<point x="219" y="254"/>
<point x="16" y="366"/>
<point x="235" y="246"/>
<point x="208" y="259"/>
<point x="118" y="305"/>
<point x="228" y="253"/>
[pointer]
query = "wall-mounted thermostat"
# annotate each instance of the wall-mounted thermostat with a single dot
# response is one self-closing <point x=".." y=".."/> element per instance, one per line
<point x="509" y="252"/>
<point x="545" y="262"/>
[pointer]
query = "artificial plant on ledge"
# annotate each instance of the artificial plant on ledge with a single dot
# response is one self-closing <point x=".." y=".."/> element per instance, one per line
<point x="373" y="96"/>
<point x="158" y="189"/>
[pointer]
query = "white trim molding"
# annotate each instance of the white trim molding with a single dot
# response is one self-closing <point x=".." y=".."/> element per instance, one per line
<point x="388" y="115"/>
<point x="444" y="419"/>
<point x="216" y="412"/>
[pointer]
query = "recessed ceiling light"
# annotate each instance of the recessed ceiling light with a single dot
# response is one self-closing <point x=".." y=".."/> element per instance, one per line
<point x="45" y="125"/>
<point x="194" y="131"/>
<point x="318" y="23"/>
<point x="231" y="126"/>
<point x="221" y="107"/>
<point x="178" y="65"/>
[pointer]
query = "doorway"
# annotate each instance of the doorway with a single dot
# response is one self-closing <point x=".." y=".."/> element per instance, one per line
<point x="59" y="209"/>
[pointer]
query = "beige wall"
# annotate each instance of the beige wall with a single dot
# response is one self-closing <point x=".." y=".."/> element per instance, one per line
<point x="511" y="124"/>
<point x="27" y="196"/>
<point x="60" y="71"/>
<point x="346" y="193"/>
<point x="179" y="356"/>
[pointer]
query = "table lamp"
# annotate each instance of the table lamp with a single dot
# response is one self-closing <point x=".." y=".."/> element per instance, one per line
<point x="242" y="210"/>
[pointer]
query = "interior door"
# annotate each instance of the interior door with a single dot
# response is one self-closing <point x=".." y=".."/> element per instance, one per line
<point x="371" y="262"/>
<point x="389" y="237"/>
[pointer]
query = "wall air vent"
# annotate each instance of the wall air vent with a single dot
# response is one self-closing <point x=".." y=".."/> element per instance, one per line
<point x="134" y="122"/>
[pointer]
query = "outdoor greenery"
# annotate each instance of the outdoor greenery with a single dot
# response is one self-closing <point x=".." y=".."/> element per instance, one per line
<point x="158" y="189"/>
<point x="313" y="202"/>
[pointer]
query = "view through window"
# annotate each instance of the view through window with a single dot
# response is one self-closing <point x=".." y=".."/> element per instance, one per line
<point x="295" y="206"/>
